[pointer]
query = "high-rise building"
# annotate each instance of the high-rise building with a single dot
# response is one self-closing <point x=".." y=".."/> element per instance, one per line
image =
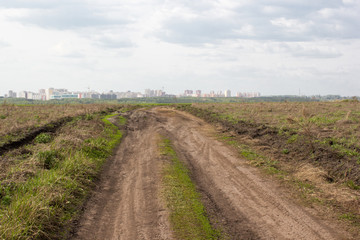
<point x="188" y="93"/>
<point x="22" y="94"/>
<point x="228" y="93"/>
<point x="49" y="92"/>
<point x="12" y="94"/>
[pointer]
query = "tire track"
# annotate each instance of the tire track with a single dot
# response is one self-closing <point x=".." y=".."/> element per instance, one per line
<point x="126" y="204"/>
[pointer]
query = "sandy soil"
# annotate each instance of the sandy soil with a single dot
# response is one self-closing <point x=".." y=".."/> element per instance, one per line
<point x="127" y="202"/>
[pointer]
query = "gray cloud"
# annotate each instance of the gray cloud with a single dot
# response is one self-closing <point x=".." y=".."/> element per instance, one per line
<point x="298" y="49"/>
<point x="198" y="31"/>
<point x="270" y="20"/>
<point x="110" y="42"/>
<point x="63" y="14"/>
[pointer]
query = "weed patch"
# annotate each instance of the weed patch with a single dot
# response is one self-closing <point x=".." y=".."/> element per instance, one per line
<point x="43" y="138"/>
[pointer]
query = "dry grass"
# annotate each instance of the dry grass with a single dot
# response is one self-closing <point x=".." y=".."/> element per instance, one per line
<point x="339" y="120"/>
<point x="16" y="120"/>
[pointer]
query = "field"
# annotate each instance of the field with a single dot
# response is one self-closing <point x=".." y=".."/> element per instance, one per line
<point x="19" y="121"/>
<point x="181" y="171"/>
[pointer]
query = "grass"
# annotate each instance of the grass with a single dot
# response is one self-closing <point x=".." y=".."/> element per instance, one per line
<point x="43" y="138"/>
<point x="258" y="160"/>
<point x="42" y="204"/>
<point x="187" y="213"/>
<point x="19" y="119"/>
<point x="349" y="217"/>
<point x="334" y="118"/>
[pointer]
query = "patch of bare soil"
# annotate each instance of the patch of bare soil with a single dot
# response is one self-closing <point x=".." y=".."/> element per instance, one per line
<point x="127" y="204"/>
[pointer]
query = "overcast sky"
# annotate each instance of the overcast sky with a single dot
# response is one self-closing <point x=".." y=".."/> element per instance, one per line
<point x="272" y="47"/>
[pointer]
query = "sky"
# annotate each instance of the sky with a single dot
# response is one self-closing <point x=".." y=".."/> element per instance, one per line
<point x="275" y="47"/>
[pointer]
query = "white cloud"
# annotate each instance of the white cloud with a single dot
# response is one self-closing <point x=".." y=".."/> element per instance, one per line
<point x="292" y="25"/>
<point x="4" y="43"/>
<point x="66" y="49"/>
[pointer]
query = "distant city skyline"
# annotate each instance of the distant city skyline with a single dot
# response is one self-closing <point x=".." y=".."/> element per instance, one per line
<point x="156" y="92"/>
<point x="60" y="93"/>
<point x="273" y="47"/>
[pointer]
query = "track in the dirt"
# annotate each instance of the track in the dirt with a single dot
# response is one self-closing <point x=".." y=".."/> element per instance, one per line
<point x="127" y="202"/>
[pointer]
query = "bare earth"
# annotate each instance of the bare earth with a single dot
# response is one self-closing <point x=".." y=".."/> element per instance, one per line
<point x="127" y="203"/>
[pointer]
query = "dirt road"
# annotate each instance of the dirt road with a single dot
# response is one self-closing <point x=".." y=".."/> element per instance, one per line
<point x="127" y="203"/>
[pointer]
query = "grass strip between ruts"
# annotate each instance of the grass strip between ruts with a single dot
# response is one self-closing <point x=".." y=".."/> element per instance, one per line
<point x="187" y="213"/>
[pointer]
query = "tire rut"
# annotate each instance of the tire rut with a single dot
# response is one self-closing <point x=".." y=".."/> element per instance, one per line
<point x="126" y="204"/>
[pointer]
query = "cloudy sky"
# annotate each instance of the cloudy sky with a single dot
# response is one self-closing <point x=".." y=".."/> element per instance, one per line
<point x="272" y="47"/>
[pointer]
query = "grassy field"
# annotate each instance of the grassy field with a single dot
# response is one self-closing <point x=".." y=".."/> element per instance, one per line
<point x="16" y="121"/>
<point x="44" y="182"/>
<point x="337" y="120"/>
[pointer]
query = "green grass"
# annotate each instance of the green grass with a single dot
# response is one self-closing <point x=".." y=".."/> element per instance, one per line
<point x="352" y="185"/>
<point x="351" y="218"/>
<point x="187" y="213"/>
<point x="43" y="205"/>
<point x="43" y="138"/>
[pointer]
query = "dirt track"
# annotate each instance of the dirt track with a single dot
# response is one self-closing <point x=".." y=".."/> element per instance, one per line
<point x="127" y="203"/>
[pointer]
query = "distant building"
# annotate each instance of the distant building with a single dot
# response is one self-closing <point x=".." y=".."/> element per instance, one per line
<point x="35" y="96"/>
<point x="228" y="93"/>
<point x="158" y="93"/>
<point x="198" y="93"/>
<point x="49" y="92"/>
<point x="22" y="94"/>
<point x="108" y="96"/>
<point x="188" y="93"/>
<point x="248" y="94"/>
<point x="11" y="94"/>
<point x="150" y="93"/>
<point x="95" y="96"/>
<point x="65" y="96"/>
